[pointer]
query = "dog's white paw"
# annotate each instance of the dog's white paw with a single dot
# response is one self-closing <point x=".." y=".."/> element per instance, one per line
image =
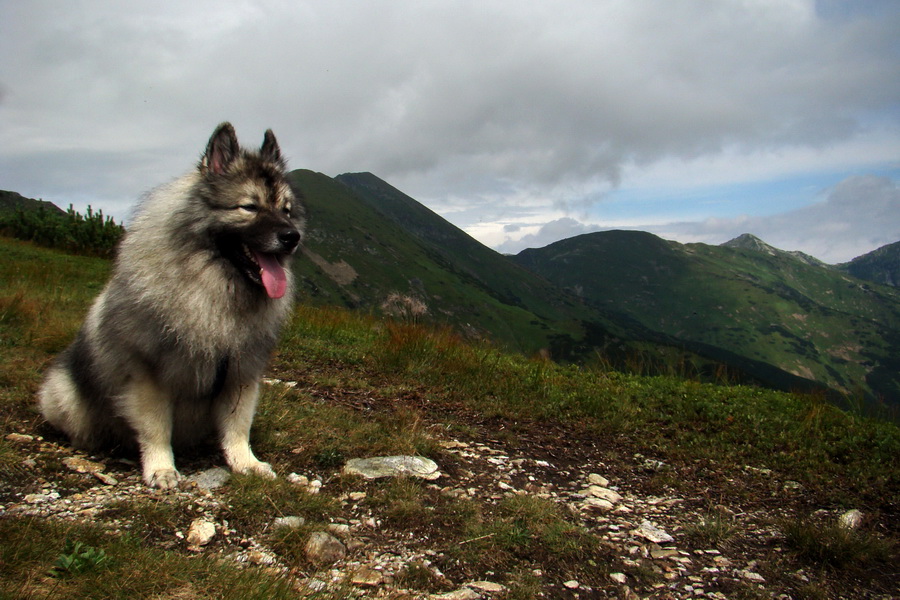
<point x="164" y="479"/>
<point x="262" y="469"/>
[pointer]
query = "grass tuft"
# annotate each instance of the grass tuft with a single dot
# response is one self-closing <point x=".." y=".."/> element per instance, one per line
<point x="835" y="546"/>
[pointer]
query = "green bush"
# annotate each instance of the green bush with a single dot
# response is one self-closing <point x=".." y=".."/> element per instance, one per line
<point x="92" y="234"/>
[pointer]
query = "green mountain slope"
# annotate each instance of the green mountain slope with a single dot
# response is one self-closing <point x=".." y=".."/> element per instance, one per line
<point x="358" y="219"/>
<point x="807" y="320"/>
<point x="360" y="257"/>
<point x="881" y="265"/>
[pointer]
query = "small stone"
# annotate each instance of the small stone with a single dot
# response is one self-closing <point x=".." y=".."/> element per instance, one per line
<point x="82" y="465"/>
<point x="366" y="577"/>
<point x="603" y="493"/>
<point x="298" y="479"/>
<point x="392" y="466"/>
<point x="107" y="479"/>
<point x="289" y="522"/>
<point x="572" y="584"/>
<point x="210" y="479"/>
<point x="851" y="519"/>
<point x="19" y="438"/>
<point x="339" y="529"/>
<point x="598" y="503"/>
<point x="323" y="548"/>
<point x="595" y="479"/>
<point x="488" y="587"/>
<point x="316" y="585"/>
<point x="314" y="486"/>
<point x="658" y="553"/>
<point x="618" y="577"/>
<point x="751" y="576"/>
<point x="650" y="532"/>
<point x="357" y="496"/>
<point x="258" y="557"/>
<point x="460" y="594"/>
<point x="201" y="532"/>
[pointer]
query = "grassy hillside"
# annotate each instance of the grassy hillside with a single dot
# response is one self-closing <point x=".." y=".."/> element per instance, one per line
<point x="372" y="248"/>
<point x="728" y="460"/>
<point x="810" y="321"/>
<point x="879" y="266"/>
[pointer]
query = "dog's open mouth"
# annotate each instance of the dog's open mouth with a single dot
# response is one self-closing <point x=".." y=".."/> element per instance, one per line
<point x="268" y="272"/>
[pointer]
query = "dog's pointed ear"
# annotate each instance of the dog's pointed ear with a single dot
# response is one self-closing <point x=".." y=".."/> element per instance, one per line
<point x="270" y="150"/>
<point x="222" y="149"/>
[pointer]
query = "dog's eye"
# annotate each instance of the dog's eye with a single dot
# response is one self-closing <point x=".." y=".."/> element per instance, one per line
<point x="249" y="208"/>
<point x="286" y="209"/>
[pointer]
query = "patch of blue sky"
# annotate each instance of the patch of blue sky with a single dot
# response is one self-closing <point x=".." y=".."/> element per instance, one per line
<point x="724" y="200"/>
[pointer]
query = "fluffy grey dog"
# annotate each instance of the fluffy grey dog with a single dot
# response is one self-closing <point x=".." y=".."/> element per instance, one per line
<point x="174" y="347"/>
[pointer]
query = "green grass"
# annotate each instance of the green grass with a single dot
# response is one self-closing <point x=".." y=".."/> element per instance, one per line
<point x="833" y="546"/>
<point x="32" y="548"/>
<point x="425" y="382"/>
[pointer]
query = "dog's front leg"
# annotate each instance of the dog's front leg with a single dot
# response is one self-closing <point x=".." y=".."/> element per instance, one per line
<point x="234" y="416"/>
<point x="149" y="412"/>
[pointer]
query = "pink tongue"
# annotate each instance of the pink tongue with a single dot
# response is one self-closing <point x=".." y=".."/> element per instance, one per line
<point x="273" y="276"/>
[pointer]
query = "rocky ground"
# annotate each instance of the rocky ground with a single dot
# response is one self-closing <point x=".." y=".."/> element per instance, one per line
<point x="672" y="531"/>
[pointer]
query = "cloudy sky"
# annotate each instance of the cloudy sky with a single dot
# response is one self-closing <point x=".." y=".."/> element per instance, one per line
<point x="521" y="122"/>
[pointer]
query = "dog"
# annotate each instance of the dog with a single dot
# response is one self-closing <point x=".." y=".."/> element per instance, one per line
<point x="174" y="347"/>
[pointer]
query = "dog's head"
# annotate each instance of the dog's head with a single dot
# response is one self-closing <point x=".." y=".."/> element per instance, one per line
<point x="257" y="220"/>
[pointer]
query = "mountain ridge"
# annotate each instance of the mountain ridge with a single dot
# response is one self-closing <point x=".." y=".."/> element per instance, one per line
<point x="778" y="318"/>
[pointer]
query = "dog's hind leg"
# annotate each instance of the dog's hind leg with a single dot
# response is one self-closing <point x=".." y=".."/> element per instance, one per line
<point x="149" y="412"/>
<point x="64" y="408"/>
<point x="234" y="416"/>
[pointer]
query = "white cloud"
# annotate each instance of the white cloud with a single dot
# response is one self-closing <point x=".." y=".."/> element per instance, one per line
<point x="524" y="112"/>
<point x="856" y="216"/>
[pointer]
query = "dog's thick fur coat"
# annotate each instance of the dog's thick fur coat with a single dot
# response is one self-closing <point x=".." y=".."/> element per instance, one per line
<point x="174" y="347"/>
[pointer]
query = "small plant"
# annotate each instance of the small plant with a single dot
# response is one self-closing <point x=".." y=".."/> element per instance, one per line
<point x="404" y="307"/>
<point x="78" y="558"/>
<point x="329" y="458"/>
<point x="712" y="529"/>
<point x="832" y="545"/>
<point x="420" y="577"/>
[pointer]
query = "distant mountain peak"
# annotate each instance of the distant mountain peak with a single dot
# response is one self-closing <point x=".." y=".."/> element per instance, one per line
<point x="748" y="241"/>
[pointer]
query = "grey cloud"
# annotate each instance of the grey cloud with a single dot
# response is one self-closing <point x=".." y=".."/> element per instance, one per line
<point x="489" y="100"/>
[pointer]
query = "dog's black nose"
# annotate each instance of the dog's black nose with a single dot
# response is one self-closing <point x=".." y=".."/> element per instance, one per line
<point x="289" y="238"/>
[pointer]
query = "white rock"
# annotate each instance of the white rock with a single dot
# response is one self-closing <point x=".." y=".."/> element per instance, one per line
<point x="488" y="587"/>
<point x="603" y="493"/>
<point x="392" y="466"/>
<point x="298" y="479"/>
<point x="258" y="557"/>
<point x="289" y="522"/>
<point x="105" y="478"/>
<point x="83" y="465"/>
<point x="572" y="584"/>
<point x="598" y="503"/>
<point x="751" y="576"/>
<point x="460" y="594"/>
<point x="366" y="577"/>
<point x="595" y="479"/>
<point x="323" y="548"/>
<point x="650" y="532"/>
<point x="851" y="519"/>
<point x="201" y="532"/>
<point x="210" y="479"/>
<point x="618" y="577"/>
